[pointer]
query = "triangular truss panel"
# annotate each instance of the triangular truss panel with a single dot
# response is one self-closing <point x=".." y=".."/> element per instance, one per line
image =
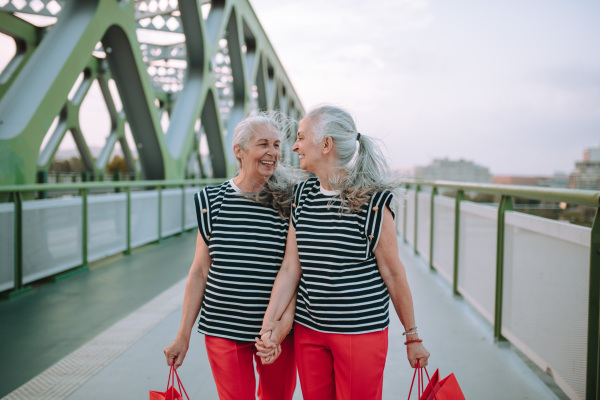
<point x="170" y="73"/>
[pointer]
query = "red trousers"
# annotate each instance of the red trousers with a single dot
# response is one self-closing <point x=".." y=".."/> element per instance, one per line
<point x="335" y="366"/>
<point x="232" y="367"/>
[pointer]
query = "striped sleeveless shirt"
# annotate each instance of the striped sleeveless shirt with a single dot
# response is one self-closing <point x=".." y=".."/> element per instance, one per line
<point x="341" y="289"/>
<point x="246" y="242"/>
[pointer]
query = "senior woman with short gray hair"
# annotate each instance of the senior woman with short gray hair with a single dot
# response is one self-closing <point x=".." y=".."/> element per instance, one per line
<point x="342" y="252"/>
<point x="243" y="226"/>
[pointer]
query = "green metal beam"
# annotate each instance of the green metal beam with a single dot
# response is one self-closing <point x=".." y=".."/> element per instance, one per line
<point x="583" y="197"/>
<point x="38" y="90"/>
<point x="593" y="347"/>
<point x="506" y="204"/>
<point x="434" y="192"/>
<point x="416" y="231"/>
<point x="460" y="196"/>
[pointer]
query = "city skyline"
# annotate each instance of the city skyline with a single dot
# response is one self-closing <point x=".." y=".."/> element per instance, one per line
<point x="514" y="86"/>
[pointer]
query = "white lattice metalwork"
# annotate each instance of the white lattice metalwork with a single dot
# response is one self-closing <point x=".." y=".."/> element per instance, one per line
<point x="546" y="289"/>
<point x="477" y="256"/>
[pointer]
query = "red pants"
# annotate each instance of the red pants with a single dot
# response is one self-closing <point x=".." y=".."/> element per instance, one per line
<point x="335" y="366"/>
<point x="232" y="367"/>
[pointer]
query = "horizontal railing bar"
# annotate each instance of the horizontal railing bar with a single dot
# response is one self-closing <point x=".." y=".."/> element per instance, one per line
<point x="106" y="185"/>
<point x="578" y="196"/>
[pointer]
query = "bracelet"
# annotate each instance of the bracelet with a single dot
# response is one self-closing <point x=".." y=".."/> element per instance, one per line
<point x="413" y="341"/>
<point x="411" y="329"/>
<point x="411" y="333"/>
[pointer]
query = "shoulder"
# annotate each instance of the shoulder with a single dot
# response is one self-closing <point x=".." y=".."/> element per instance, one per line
<point x="209" y="194"/>
<point x="305" y="185"/>
<point x="384" y="195"/>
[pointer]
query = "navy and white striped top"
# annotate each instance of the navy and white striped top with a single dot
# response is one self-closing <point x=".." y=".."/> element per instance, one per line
<point x="246" y="242"/>
<point x="341" y="289"/>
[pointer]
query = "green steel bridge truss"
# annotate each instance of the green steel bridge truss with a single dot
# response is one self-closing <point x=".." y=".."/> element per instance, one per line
<point x="201" y="66"/>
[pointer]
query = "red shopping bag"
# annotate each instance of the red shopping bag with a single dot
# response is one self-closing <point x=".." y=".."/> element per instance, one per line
<point x="446" y="389"/>
<point x="171" y="393"/>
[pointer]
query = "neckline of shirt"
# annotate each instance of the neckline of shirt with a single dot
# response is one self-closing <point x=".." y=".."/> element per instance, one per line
<point x="235" y="187"/>
<point x="328" y="192"/>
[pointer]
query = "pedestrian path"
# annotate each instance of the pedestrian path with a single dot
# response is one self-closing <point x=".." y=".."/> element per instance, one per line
<point x="137" y="300"/>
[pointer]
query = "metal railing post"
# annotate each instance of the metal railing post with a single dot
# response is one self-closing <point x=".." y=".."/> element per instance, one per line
<point x="84" y="227"/>
<point x="460" y="196"/>
<point x="19" y="288"/>
<point x="128" y="214"/>
<point x="592" y="388"/>
<point x="506" y="204"/>
<point x="417" y="190"/>
<point x="405" y="212"/>
<point x="434" y="193"/>
<point x="159" y="188"/>
<point x="182" y="209"/>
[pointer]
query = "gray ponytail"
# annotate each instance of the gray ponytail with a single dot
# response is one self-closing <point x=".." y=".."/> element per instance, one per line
<point x="364" y="166"/>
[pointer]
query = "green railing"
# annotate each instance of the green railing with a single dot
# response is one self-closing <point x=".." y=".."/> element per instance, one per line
<point x="17" y="192"/>
<point x="507" y="194"/>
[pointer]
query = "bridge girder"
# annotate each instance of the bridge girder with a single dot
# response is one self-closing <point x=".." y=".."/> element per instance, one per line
<point x="35" y="87"/>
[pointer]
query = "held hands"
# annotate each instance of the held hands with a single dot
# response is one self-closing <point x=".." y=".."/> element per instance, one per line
<point x="176" y="352"/>
<point x="267" y="354"/>
<point x="272" y="334"/>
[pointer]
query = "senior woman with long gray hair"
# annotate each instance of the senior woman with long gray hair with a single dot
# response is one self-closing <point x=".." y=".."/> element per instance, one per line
<point x="342" y="255"/>
<point x="242" y="230"/>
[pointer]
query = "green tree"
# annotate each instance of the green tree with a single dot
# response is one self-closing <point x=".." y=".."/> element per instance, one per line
<point x="117" y="163"/>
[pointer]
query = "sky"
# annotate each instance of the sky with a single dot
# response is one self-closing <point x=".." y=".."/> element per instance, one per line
<point x="512" y="85"/>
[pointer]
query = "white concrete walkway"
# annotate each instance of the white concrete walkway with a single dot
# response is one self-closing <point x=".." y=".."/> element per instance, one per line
<point x="126" y="361"/>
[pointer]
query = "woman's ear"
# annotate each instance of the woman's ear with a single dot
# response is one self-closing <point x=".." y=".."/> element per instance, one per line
<point x="327" y="144"/>
<point x="238" y="152"/>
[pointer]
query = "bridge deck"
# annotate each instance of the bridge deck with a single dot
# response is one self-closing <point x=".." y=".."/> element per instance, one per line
<point x="100" y="335"/>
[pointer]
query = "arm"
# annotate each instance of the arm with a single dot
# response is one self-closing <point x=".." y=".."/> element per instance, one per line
<point x="192" y="301"/>
<point x="286" y="283"/>
<point x="393" y="274"/>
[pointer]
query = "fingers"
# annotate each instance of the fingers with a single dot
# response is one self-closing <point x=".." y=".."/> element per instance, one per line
<point x="416" y="352"/>
<point x="271" y="359"/>
<point x="268" y="327"/>
<point x="266" y="338"/>
<point x="174" y="355"/>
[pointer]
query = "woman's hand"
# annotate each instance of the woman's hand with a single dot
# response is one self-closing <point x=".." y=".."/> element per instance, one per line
<point x="273" y="333"/>
<point x="416" y="351"/>
<point x="176" y="352"/>
<point x="267" y="354"/>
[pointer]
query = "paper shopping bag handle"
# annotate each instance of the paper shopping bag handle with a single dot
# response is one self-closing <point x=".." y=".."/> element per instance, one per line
<point x="420" y="385"/>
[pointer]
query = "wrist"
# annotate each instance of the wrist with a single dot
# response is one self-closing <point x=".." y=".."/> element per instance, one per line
<point x="184" y="336"/>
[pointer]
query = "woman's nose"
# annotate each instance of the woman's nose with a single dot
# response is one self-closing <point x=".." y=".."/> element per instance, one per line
<point x="295" y="147"/>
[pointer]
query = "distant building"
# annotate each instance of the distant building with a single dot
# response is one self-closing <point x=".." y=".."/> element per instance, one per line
<point x="587" y="172"/>
<point x="559" y="180"/>
<point x="449" y="170"/>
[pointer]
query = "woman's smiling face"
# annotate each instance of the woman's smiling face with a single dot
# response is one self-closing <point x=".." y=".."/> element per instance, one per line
<point x="308" y="151"/>
<point x="262" y="152"/>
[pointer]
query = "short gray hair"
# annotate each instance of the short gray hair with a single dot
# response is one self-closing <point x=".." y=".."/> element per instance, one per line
<point x="359" y="156"/>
